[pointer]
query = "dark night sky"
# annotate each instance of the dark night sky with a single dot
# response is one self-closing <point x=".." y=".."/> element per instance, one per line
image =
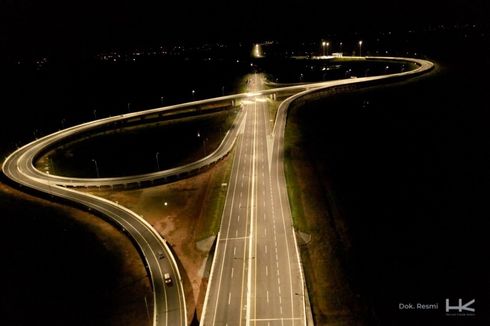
<point x="30" y="25"/>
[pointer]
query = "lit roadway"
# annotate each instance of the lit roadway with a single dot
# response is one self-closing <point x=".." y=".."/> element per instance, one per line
<point x="256" y="275"/>
<point x="258" y="271"/>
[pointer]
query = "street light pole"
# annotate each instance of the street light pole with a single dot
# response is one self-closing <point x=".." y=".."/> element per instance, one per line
<point x="323" y="46"/>
<point x="360" y="48"/>
<point x="328" y="44"/>
<point x="95" y="114"/>
<point x="147" y="310"/>
<point x="96" y="168"/>
<point x="158" y="162"/>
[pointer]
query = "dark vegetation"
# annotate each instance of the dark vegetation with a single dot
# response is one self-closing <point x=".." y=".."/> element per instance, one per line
<point x="130" y="151"/>
<point x="60" y="271"/>
<point x="404" y="170"/>
<point x="307" y="70"/>
<point x="411" y="177"/>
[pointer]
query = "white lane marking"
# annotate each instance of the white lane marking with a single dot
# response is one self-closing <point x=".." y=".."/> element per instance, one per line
<point x="267" y="296"/>
<point x="232" y="269"/>
<point x="231" y="239"/>
<point x="274" y="319"/>
<point x="252" y="210"/>
<point x="235" y="170"/>
<point x="229" y="297"/>
<point x="234" y="251"/>
<point x="266" y="271"/>
<point x="265" y="231"/>
<point x="266" y="249"/>
<point x="238" y="218"/>
<point x="244" y="260"/>
<point x="281" y="205"/>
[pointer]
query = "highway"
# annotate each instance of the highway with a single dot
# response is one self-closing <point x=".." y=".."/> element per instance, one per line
<point x="256" y="273"/>
<point x="169" y="301"/>
<point x="256" y="277"/>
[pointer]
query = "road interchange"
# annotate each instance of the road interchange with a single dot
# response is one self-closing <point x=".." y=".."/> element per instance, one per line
<point x="260" y="149"/>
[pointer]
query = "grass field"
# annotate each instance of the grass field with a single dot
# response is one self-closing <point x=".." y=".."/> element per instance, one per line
<point x="67" y="266"/>
<point x="134" y="150"/>
<point x="389" y="182"/>
<point x="184" y="212"/>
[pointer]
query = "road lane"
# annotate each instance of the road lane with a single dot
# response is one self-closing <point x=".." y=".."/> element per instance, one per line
<point x="253" y="276"/>
<point x="246" y="297"/>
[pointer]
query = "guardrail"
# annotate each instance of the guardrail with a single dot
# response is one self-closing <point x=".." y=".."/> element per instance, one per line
<point x="19" y="167"/>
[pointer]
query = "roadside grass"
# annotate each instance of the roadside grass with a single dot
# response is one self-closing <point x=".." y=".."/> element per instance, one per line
<point x="272" y="112"/>
<point x="184" y="211"/>
<point x="177" y="142"/>
<point x="291" y="159"/>
<point x="332" y="299"/>
<point x="193" y="213"/>
<point x="68" y="247"/>
<point x="212" y="211"/>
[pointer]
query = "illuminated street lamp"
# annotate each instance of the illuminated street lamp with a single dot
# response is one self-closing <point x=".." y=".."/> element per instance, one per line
<point x="257" y="51"/>
<point x="360" y="48"/>
<point x="96" y="168"/>
<point x="323" y="46"/>
<point x="193" y="93"/>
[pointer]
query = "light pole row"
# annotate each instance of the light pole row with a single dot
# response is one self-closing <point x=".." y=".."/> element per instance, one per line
<point x="327" y="44"/>
<point x="96" y="167"/>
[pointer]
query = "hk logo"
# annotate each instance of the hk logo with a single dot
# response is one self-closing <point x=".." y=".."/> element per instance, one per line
<point x="460" y="307"/>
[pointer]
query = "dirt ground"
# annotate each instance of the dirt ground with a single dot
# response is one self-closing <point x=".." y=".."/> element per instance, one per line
<point x="131" y="284"/>
<point x="186" y="214"/>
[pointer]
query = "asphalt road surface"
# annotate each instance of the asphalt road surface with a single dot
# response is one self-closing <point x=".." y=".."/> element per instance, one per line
<point x="256" y="276"/>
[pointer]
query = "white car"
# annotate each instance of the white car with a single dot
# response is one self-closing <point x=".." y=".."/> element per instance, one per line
<point x="167" y="278"/>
